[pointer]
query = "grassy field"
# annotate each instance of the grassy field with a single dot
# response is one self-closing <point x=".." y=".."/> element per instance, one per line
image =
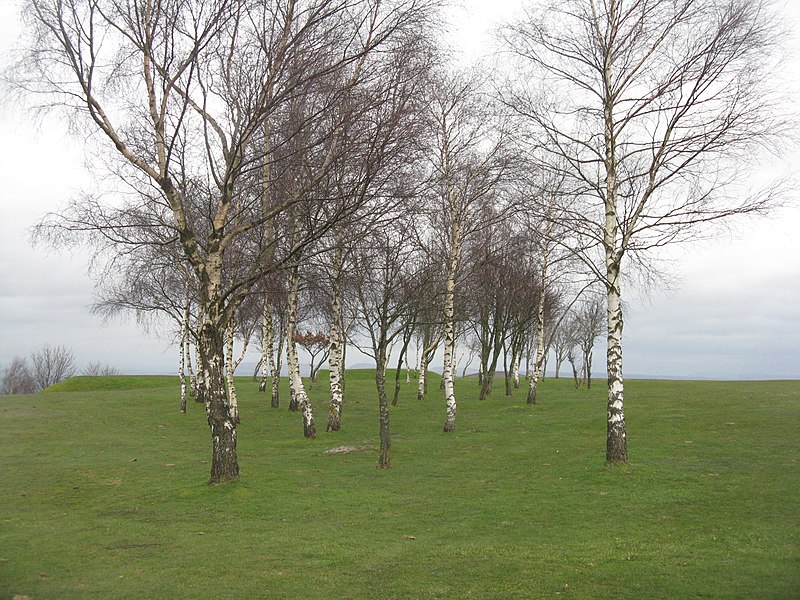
<point x="103" y="495"/>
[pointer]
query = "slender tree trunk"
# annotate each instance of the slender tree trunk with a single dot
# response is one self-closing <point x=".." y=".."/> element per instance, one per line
<point x="528" y="358"/>
<point x="184" y="343"/>
<point x="312" y="373"/>
<point x="343" y="351"/>
<point x="233" y="399"/>
<point x="616" y="437"/>
<point x="538" y="360"/>
<point x="516" y="361"/>
<point x="187" y="350"/>
<point x="507" y="372"/>
<point x="539" y="353"/>
<point x="588" y="367"/>
<point x="399" y="370"/>
<point x="486" y="388"/>
<point x="448" y="371"/>
<point x="266" y="344"/>
<point x="276" y="363"/>
<point x="268" y="356"/>
<point x="292" y="361"/>
<point x="182" y="375"/>
<point x="384" y="458"/>
<point x="201" y="384"/>
<point x="575" y="377"/>
<point x="299" y="395"/>
<point x="488" y="378"/>
<point x="422" y="385"/>
<point x="335" y="349"/>
<point x="272" y="360"/>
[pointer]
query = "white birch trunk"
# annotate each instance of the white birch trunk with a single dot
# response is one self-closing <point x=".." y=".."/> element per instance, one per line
<point x="276" y="362"/>
<point x="449" y="330"/>
<point x="616" y="435"/>
<point x="293" y="363"/>
<point x="423" y="376"/>
<point x="266" y="343"/>
<point x="539" y="354"/>
<point x="200" y="386"/>
<point x="268" y="356"/>
<point x="184" y="343"/>
<point x="616" y="438"/>
<point x="224" y="463"/>
<point x="211" y="343"/>
<point x="182" y="375"/>
<point x="335" y="348"/>
<point x="187" y="350"/>
<point x="233" y="400"/>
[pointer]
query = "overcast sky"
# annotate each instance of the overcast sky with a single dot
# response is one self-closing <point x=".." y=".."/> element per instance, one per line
<point x="734" y="311"/>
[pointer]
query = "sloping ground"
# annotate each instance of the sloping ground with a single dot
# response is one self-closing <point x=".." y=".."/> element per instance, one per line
<point x="84" y="383"/>
<point x="103" y="495"/>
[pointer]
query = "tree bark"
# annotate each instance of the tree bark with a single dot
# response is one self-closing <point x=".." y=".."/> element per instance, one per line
<point x="335" y="354"/>
<point x="200" y="381"/>
<point x="299" y="395"/>
<point x="184" y="343"/>
<point x="422" y="384"/>
<point x="448" y="370"/>
<point x="407" y="333"/>
<point x="276" y="363"/>
<point x="616" y="436"/>
<point x="616" y="439"/>
<point x="539" y="354"/>
<point x="224" y="461"/>
<point x="267" y="342"/>
<point x="384" y="458"/>
<point x="233" y="399"/>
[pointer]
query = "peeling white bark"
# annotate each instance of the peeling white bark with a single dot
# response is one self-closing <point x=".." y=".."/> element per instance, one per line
<point x="539" y="354"/>
<point x="616" y="439"/>
<point x="449" y="328"/>
<point x="293" y="363"/>
<point x="184" y="349"/>
<point x="233" y="399"/>
<point x="266" y="343"/>
<point x="616" y="435"/>
<point x="335" y="348"/>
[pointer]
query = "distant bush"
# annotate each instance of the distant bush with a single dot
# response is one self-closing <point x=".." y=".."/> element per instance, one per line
<point x="47" y="367"/>
<point x="52" y="364"/>
<point x="95" y="369"/>
<point x="17" y="378"/>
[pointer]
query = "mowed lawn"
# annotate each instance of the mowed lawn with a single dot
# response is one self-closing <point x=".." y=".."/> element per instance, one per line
<point x="103" y="494"/>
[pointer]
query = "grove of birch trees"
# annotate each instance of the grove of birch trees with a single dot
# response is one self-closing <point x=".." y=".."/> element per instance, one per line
<point x="322" y="174"/>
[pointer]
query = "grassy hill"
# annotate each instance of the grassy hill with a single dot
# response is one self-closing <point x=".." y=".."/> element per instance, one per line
<point x="102" y="484"/>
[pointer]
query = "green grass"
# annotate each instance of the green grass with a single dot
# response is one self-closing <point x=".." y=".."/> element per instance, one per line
<point x="103" y="495"/>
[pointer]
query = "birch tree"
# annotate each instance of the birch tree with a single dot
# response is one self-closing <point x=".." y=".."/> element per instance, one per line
<point x="152" y="283"/>
<point x="180" y="92"/>
<point x="468" y="158"/>
<point x="588" y="327"/>
<point x="385" y="264"/>
<point x="17" y="378"/>
<point x="644" y="104"/>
